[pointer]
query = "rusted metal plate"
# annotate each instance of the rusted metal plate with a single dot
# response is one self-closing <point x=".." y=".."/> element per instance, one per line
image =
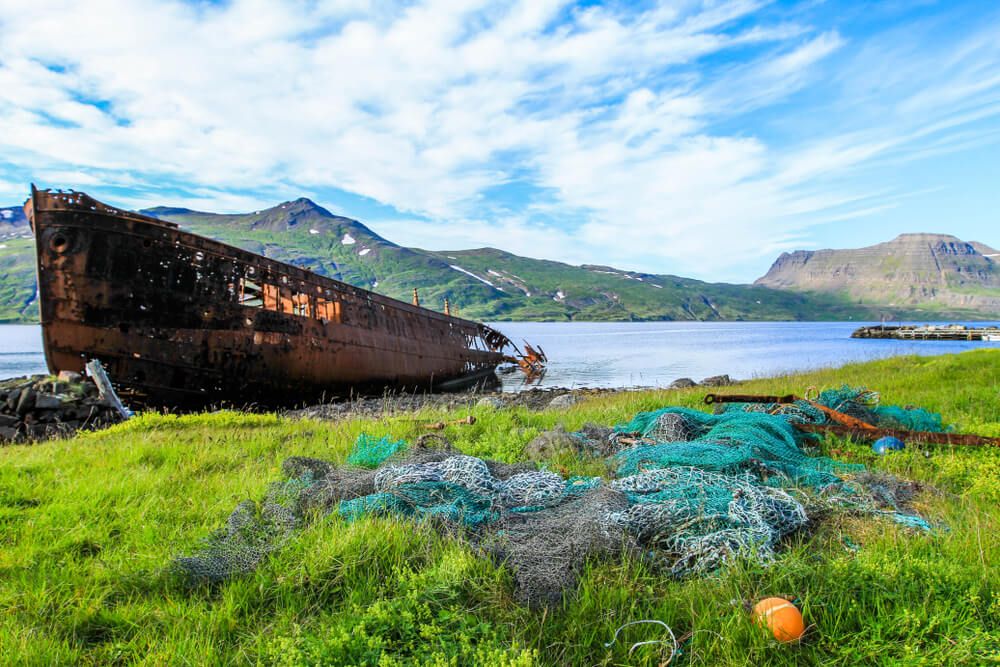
<point x="181" y="319"/>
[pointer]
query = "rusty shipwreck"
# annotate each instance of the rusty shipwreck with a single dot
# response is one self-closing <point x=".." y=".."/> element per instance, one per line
<point x="179" y="319"/>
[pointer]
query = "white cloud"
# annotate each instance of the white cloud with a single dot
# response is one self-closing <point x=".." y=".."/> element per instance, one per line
<point x="634" y="151"/>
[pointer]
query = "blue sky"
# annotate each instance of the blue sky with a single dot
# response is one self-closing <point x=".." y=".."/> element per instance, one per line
<point x="694" y="138"/>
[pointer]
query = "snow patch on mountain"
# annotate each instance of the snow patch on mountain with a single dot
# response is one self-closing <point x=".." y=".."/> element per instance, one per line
<point x="470" y="273"/>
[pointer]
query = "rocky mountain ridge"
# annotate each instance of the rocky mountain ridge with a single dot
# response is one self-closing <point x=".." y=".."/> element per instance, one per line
<point x="933" y="271"/>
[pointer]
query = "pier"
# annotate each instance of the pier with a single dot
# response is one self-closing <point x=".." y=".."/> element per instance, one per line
<point x="930" y="332"/>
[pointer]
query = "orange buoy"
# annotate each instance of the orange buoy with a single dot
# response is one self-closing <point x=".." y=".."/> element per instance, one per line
<point x="781" y="617"/>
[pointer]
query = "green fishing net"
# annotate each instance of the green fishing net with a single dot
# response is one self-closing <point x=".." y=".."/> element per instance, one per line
<point x="690" y="492"/>
<point x="371" y="452"/>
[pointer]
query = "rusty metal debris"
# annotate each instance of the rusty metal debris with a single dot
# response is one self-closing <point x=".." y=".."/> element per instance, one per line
<point x="182" y="319"/>
<point x="848" y="426"/>
<point x="107" y="393"/>
<point x="923" y="437"/>
<point x="440" y="426"/>
<point x="835" y="415"/>
<point x="531" y="361"/>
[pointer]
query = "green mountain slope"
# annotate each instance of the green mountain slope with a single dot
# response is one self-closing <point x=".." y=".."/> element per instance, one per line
<point x="485" y="284"/>
<point x="18" y="301"/>
<point x="307" y="235"/>
<point x="555" y="291"/>
<point x="488" y="283"/>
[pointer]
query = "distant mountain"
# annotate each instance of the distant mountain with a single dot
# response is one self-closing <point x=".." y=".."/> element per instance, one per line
<point x="488" y="283"/>
<point x="303" y="233"/>
<point x="932" y="272"/>
<point x="484" y="284"/>
<point x="13" y="222"/>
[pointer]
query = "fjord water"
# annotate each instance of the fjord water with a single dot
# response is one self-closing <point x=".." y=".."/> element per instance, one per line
<point x="654" y="354"/>
<point x="635" y="354"/>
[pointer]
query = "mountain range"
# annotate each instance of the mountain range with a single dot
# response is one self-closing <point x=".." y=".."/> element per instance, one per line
<point x="490" y="284"/>
<point x="933" y="272"/>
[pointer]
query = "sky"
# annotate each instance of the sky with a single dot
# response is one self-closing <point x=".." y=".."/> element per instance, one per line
<point x="697" y="138"/>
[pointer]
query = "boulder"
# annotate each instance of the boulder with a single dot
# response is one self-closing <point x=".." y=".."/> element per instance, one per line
<point x="717" y="381"/>
<point x="490" y="402"/>
<point x="71" y="377"/>
<point x="549" y="444"/>
<point x="25" y="402"/>
<point x="682" y="383"/>
<point x="7" y="433"/>
<point x="48" y="402"/>
<point x="563" y="401"/>
<point x="12" y="398"/>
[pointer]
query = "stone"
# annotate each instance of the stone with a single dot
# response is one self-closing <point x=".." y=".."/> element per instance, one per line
<point x="563" y="401"/>
<point x="71" y="377"/>
<point x="7" y="433"/>
<point x="8" y="420"/>
<point x="682" y="383"/>
<point x="48" y="402"/>
<point x="717" y="381"/>
<point x="490" y="402"/>
<point x="12" y="398"/>
<point x="46" y="416"/>
<point x="26" y="401"/>
<point x="549" y="444"/>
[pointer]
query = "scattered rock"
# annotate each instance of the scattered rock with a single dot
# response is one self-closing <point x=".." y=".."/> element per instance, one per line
<point x="394" y="404"/>
<point x="682" y="383"/>
<point x="43" y="407"/>
<point x="490" y="402"/>
<point x="71" y="377"/>
<point x="549" y="444"/>
<point x="597" y="440"/>
<point x="48" y="402"/>
<point x="26" y="402"/>
<point x="718" y="381"/>
<point x="564" y="401"/>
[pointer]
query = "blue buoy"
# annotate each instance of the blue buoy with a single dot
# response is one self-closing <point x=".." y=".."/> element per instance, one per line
<point x="887" y="444"/>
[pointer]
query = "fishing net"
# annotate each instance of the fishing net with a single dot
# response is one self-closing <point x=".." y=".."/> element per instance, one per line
<point x="857" y="402"/>
<point x="370" y="452"/>
<point x="691" y="492"/>
<point x="731" y="442"/>
<point x="251" y="532"/>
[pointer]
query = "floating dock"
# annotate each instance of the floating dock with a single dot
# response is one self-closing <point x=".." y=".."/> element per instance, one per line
<point x="930" y="332"/>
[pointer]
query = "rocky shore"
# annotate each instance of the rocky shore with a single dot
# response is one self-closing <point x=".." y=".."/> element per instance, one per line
<point x="44" y="406"/>
<point x="532" y="399"/>
<point x="41" y="407"/>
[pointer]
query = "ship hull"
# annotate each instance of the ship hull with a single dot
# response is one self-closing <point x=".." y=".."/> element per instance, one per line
<point x="180" y="319"/>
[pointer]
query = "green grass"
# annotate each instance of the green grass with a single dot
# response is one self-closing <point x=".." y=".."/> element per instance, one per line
<point x="88" y="528"/>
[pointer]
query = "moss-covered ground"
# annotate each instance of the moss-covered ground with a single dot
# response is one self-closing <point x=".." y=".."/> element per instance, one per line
<point x="89" y="526"/>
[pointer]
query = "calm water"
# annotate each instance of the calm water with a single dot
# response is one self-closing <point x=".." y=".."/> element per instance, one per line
<point x="647" y="354"/>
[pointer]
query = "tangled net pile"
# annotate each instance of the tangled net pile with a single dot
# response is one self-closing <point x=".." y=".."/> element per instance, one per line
<point x="691" y="492"/>
<point x="859" y="403"/>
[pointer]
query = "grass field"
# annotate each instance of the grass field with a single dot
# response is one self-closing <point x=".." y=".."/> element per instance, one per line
<point x="89" y="526"/>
